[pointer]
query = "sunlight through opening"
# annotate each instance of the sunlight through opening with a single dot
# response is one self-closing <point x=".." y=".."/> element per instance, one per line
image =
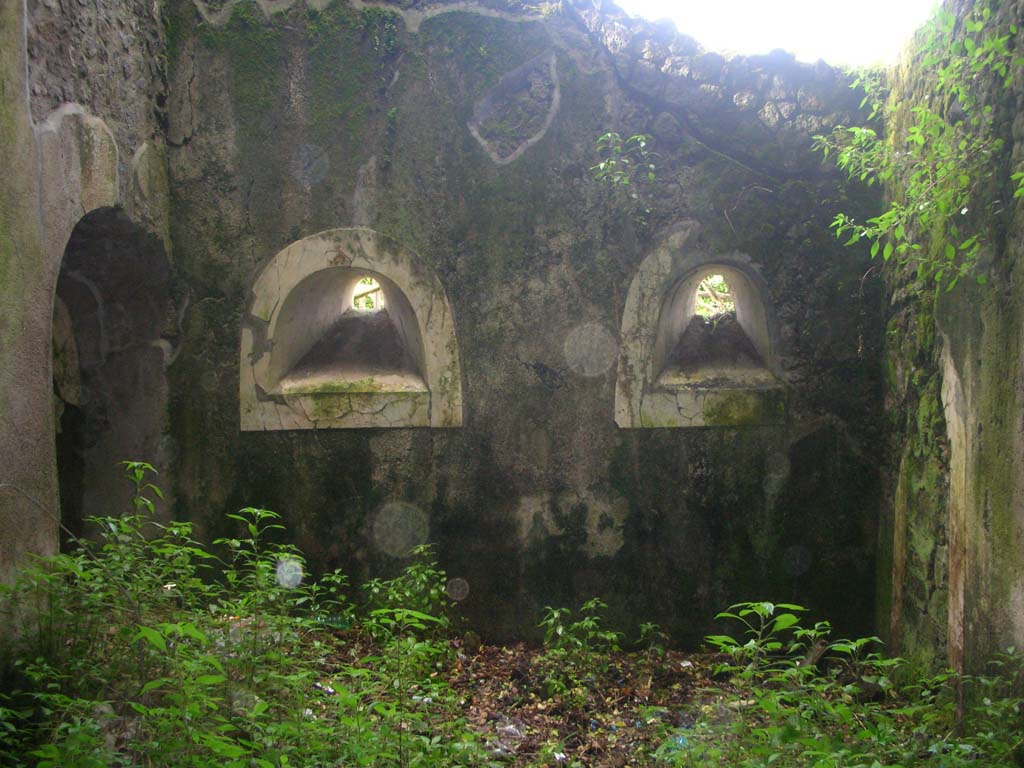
<point x="713" y="298"/>
<point x="368" y="296"/>
<point x="870" y="32"/>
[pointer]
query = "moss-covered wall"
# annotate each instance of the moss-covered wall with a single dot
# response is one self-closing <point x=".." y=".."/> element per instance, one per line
<point x="24" y="415"/>
<point x="61" y="162"/>
<point x="954" y="591"/>
<point x="330" y="114"/>
<point x="285" y="126"/>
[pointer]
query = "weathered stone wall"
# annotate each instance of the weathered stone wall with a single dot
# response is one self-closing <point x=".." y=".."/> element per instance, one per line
<point x="466" y="134"/>
<point x="952" y="573"/>
<point x="21" y="254"/>
<point x="106" y="56"/>
<point x="61" y="164"/>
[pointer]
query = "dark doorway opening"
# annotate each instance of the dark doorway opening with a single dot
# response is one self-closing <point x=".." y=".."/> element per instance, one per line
<point x="113" y="324"/>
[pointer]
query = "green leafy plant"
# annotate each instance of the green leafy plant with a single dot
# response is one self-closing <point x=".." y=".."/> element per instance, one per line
<point x="419" y="587"/>
<point x="575" y="647"/>
<point x="764" y="630"/>
<point x="625" y="166"/>
<point x="653" y="640"/>
<point x="805" y="700"/>
<point x="936" y="172"/>
<point x="142" y="647"/>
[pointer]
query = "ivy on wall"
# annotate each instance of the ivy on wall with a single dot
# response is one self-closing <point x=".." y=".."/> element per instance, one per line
<point x="936" y="169"/>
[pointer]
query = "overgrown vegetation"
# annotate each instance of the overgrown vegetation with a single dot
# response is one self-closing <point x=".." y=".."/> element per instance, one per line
<point x="368" y="295"/>
<point x="625" y="166"/>
<point x="145" y="647"/>
<point x="945" y="163"/>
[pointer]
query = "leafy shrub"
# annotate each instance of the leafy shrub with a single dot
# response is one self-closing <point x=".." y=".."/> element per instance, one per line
<point x="575" y="648"/>
<point x="941" y="168"/>
<point x="796" y="698"/>
<point x="143" y="647"/>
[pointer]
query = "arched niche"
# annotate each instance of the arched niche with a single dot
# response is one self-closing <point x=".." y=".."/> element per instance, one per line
<point x="311" y="360"/>
<point x="674" y="369"/>
<point x="111" y="313"/>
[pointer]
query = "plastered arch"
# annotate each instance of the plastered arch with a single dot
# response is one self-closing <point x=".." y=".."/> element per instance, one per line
<point x="57" y="172"/>
<point x="324" y="268"/>
<point x="81" y="197"/>
<point x="658" y="306"/>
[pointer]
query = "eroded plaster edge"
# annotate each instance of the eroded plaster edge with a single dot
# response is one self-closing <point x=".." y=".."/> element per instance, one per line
<point x="412" y="17"/>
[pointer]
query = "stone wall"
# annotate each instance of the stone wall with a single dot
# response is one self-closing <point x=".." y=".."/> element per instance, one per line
<point x="64" y="162"/>
<point x="108" y="57"/>
<point x="21" y="254"/>
<point x="466" y="133"/>
<point x="952" y="573"/>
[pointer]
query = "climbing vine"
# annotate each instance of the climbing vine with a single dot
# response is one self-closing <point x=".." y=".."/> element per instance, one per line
<point x="625" y="165"/>
<point x="936" y="170"/>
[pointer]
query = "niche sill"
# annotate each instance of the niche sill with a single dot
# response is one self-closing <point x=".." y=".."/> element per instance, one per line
<point x="330" y="396"/>
<point x="348" y="379"/>
<point x="716" y="376"/>
<point x="714" y="395"/>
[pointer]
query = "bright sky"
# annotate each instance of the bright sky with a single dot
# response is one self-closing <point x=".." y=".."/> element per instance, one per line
<point x="851" y="33"/>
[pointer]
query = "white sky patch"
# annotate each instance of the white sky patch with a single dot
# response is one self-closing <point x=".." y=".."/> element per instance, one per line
<point x="853" y="34"/>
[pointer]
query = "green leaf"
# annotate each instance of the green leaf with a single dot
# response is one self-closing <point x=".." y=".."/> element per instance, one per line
<point x="153" y="685"/>
<point x="784" y="621"/>
<point x="722" y="641"/>
<point x="152" y="637"/>
<point x="192" y="631"/>
<point x="210" y="679"/>
<point x="887" y="253"/>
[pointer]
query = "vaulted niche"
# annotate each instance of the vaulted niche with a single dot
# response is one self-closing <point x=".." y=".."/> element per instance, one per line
<point x="330" y="339"/>
<point x="698" y="343"/>
<point x="348" y="330"/>
<point x="713" y="331"/>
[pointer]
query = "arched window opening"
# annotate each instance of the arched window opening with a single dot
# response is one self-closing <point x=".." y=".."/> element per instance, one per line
<point x="110" y="310"/>
<point x="714" y="298"/>
<point x="369" y="296"/>
<point x="324" y="343"/>
<point x="712" y="332"/>
<point x="699" y="342"/>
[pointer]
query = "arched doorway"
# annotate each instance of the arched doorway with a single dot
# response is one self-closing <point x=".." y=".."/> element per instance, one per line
<point x="112" y="316"/>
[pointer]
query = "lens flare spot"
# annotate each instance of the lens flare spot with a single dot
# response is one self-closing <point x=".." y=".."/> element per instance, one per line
<point x="398" y="527"/>
<point x="310" y="164"/>
<point x="289" y="573"/>
<point x="796" y="560"/>
<point x="590" y="349"/>
<point x="457" y="589"/>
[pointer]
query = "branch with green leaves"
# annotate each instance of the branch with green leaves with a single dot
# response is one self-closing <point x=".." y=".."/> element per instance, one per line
<point x="626" y="165"/>
<point x="936" y="172"/>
